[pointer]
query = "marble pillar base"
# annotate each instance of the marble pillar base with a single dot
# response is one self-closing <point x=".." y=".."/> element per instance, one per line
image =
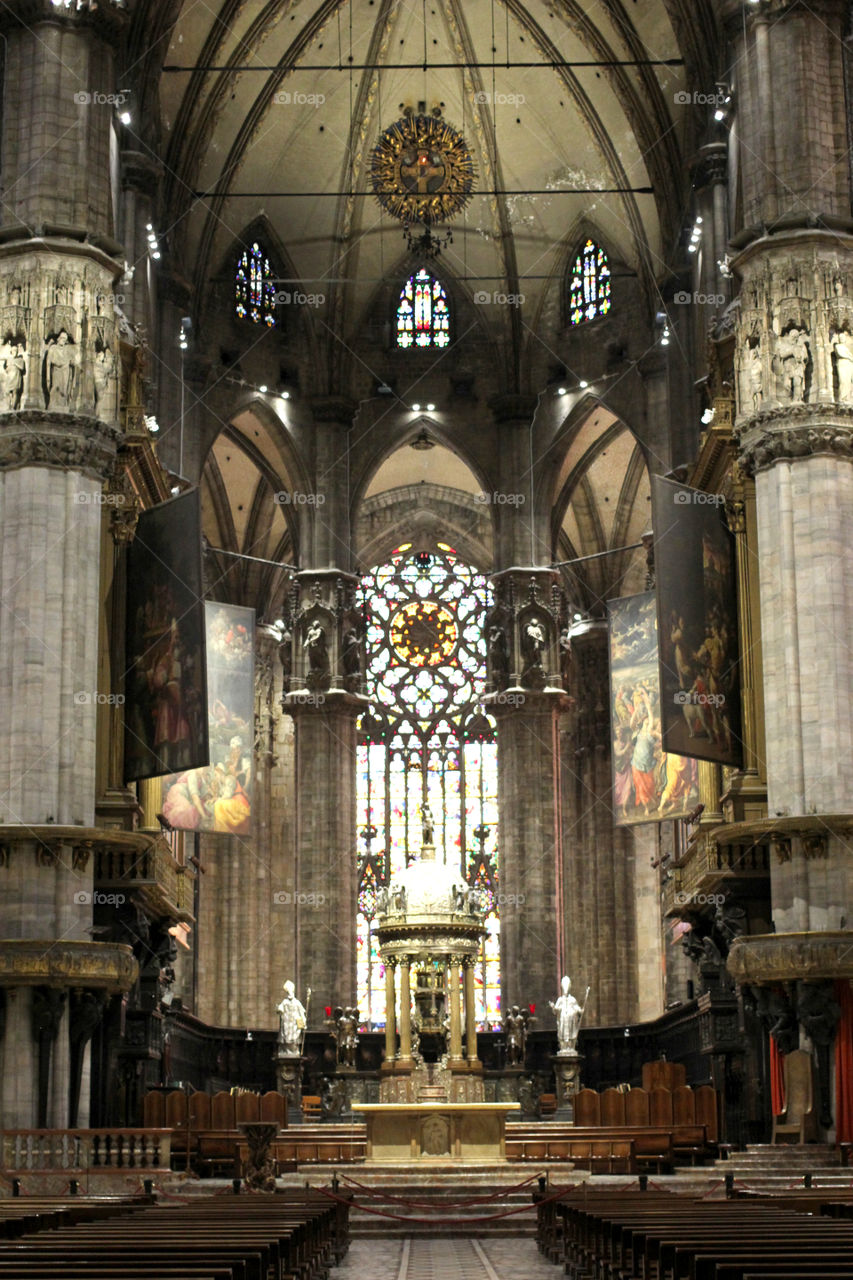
<point x="397" y="1081"/>
<point x="288" y="1074"/>
<point x="466" y="1081"/>
<point x="567" y="1070"/>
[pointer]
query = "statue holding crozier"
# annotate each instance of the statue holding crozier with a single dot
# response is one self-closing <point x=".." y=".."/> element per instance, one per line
<point x="567" y="1061"/>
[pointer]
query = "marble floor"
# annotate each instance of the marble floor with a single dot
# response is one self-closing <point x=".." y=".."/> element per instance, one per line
<point x="463" y="1258"/>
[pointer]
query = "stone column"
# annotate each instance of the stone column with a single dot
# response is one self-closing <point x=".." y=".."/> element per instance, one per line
<point x="405" y="1010"/>
<point x="470" y="1011"/>
<point x="59" y="436"/>
<point x="601" y="883"/>
<point x="323" y="694"/>
<point x="526" y="701"/>
<point x="455" y="1010"/>
<point x="390" y="1013"/>
<point x="794" y="429"/>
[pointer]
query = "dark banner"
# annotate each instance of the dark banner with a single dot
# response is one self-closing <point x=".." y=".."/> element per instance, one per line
<point x="166" y="702"/>
<point x="218" y="796"/>
<point x="649" y="784"/>
<point x="697" y="624"/>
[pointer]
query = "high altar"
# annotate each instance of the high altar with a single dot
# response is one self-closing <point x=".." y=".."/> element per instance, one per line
<point x="430" y="931"/>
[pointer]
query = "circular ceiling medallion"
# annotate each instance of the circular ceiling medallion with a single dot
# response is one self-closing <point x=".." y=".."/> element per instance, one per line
<point x="423" y="633"/>
<point x="421" y="170"/>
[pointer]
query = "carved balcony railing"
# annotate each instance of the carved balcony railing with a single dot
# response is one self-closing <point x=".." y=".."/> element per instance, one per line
<point x="150" y="869"/>
<point x="74" y="1150"/>
<point x="713" y="861"/>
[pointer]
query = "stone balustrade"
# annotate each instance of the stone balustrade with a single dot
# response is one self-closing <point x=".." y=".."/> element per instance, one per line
<point x="72" y="1150"/>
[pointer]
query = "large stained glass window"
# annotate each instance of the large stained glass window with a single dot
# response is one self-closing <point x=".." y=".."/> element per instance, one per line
<point x="426" y="740"/>
<point x="255" y="287"/>
<point x="423" y="316"/>
<point x="590" y="285"/>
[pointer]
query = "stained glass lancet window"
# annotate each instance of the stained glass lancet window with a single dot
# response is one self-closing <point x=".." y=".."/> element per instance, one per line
<point x="426" y="741"/>
<point x="590" y="285"/>
<point x="423" y="316"/>
<point x="255" y="287"/>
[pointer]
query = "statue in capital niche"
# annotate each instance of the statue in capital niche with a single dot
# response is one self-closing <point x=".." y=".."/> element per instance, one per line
<point x="291" y="1021"/>
<point x="842" y="351"/>
<point x="569" y="1014"/>
<point x="60" y="371"/>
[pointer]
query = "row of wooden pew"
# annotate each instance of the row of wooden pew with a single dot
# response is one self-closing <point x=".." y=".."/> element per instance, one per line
<point x="622" y="1149"/>
<point x="626" y="1235"/>
<point x="295" y="1235"/>
<point x="641" y="1108"/>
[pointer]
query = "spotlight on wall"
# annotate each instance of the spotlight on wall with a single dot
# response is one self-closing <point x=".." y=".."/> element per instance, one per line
<point x="562" y="391"/>
<point x="416" y="408"/>
<point x="430" y="408"/>
<point x="186" y="330"/>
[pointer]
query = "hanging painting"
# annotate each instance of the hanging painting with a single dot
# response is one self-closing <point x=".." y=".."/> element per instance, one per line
<point x="218" y="797"/>
<point x="649" y="784"/>
<point x="165" y="707"/>
<point x="698" y="624"/>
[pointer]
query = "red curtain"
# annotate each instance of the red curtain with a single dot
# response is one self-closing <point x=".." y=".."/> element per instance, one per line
<point x="777" y="1079"/>
<point x="844" y="1064"/>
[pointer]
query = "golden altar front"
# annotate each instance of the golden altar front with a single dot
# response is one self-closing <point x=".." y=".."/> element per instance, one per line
<point x="467" y="1132"/>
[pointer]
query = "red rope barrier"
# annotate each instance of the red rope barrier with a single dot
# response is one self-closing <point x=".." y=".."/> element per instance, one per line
<point x="431" y="1222"/>
<point x="430" y="1204"/>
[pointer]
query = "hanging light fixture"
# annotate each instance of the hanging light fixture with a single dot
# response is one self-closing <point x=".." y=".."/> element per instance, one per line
<point x="422" y="173"/>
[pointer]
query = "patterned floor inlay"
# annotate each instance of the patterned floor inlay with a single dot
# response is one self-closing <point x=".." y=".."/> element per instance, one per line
<point x="450" y="1259"/>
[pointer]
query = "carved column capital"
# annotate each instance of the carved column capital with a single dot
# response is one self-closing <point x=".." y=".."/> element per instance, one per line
<point x="30" y="438"/>
<point x="795" y="432"/>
